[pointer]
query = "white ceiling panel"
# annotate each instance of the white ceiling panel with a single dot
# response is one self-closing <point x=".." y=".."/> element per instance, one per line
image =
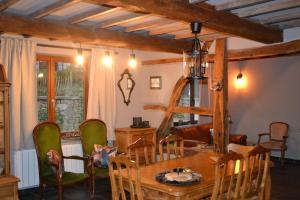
<point x="26" y="7"/>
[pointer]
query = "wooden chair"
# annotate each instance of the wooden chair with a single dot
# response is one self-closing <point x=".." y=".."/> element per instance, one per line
<point x="241" y="149"/>
<point x="122" y="164"/>
<point x="256" y="173"/>
<point x="278" y="134"/>
<point x="47" y="136"/>
<point x="144" y="147"/>
<point x="228" y="177"/>
<point x="174" y="144"/>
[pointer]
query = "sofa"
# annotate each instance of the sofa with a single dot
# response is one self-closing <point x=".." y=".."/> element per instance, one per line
<point x="200" y="133"/>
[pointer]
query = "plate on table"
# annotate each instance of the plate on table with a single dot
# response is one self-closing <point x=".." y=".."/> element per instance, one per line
<point x="179" y="177"/>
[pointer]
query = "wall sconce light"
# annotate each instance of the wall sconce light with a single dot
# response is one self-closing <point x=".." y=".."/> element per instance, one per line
<point x="240" y="81"/>
<point x="107" y="59"/>
<point x="79" y="57"/>
<point x="132" y="63"/>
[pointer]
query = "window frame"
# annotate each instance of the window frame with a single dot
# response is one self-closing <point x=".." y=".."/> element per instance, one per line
<point x="51" y="60"/>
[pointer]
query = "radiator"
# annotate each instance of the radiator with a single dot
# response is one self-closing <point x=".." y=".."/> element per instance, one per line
<point x="26" y="165"/>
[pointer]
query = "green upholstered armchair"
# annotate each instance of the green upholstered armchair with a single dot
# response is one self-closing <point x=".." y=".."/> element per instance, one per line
<point x="47" y="136"/>
<point x="93" y="131"/>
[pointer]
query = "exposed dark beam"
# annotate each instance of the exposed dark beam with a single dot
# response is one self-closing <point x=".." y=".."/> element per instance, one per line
<point x="269" y="51"/>
<point x="6" y="4"/>
<point x="66" y="32"/>
<point x="53" y="8"/>
<point x="217" y="20"/>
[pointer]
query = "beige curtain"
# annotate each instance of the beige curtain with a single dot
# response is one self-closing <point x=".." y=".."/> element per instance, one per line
<point x="19" y="58"/>
<point x="102" y="96"/>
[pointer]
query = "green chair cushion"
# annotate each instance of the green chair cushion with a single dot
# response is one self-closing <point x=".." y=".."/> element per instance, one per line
<point x="68" y="178"/>
<point x="101" y="172"/>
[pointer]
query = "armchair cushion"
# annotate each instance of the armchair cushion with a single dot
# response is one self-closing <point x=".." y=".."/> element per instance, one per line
<point x="68" y="178"/>
<point x="273" y="145"/>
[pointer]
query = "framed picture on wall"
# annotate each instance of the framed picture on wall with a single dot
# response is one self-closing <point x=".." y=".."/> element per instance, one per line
<point x="155" y="82"/>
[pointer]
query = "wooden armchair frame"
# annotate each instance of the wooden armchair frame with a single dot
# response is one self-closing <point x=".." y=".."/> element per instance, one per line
<point x="58" y="179"/>
<point x="173" y="142"/>
<point x="275" y="140"/>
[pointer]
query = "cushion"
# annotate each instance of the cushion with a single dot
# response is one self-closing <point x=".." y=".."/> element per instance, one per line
<point x="54" y="158"/>
<point x="101" y="154"/>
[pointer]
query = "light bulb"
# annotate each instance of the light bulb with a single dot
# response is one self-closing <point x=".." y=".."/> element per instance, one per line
<point x="132" y="61"/>
<point x="79" y="57"/>
<point x="40" y="75"/>
<point x="107" y="60"/>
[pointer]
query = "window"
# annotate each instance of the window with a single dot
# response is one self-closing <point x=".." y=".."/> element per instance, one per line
<point x="61" y="92"/>
<point x="195" y="94"/>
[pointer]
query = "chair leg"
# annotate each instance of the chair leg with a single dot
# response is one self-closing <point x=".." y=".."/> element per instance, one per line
<point x="282" y="157"/>
<point x="41" y="190"/>
<point x="92" y="186"/>
<point x="60" y="192"/>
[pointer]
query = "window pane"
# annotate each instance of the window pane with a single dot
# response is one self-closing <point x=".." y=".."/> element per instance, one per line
<point x="69" y="96"/>
<point x="42" y="90"/>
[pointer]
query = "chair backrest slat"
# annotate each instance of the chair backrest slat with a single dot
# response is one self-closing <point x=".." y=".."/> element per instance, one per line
<point x="227" y="180"/>
<point x="142" y="146"/>
<point x="174" y="144"/>
<point x="120" y="166"/>
<point x="257" y="170"/>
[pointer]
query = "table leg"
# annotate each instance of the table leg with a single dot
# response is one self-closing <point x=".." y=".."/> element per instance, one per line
<point x="268" y="187"/>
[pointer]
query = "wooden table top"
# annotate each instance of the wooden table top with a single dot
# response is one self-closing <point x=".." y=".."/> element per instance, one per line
<point x="200" y="163"/>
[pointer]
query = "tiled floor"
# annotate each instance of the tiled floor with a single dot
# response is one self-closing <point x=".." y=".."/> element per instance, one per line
<point x="285" y="186"/>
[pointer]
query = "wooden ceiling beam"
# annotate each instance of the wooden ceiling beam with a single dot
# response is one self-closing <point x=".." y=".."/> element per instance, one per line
<point x="272" y="6"/>
<point x="217" y="20"/>
<point x="6" y="4"/>
<point x="59" y="5"/>
<point x="269" y="51"/>
<point x="67" y="32"/>
<point x="235" y="4"/>
<point x="103" y="11"/>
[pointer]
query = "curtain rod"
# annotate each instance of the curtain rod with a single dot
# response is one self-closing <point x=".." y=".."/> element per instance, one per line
<point x="62" y="47"/>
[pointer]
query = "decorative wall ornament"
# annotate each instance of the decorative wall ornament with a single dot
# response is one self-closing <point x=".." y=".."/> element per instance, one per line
<point x="126" y="85"/>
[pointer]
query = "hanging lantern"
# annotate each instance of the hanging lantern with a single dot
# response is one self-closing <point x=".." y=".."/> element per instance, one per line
<point x="195" y="61"/>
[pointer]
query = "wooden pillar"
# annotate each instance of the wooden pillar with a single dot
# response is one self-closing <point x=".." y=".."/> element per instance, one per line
<point x="220" y="97"/>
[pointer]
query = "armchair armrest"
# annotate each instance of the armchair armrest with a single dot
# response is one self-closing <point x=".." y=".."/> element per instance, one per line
<point x="85" y="158"/>
<point x="260" y="135"/>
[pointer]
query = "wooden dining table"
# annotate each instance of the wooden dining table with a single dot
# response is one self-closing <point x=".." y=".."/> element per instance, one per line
<point x="202" y="163"/>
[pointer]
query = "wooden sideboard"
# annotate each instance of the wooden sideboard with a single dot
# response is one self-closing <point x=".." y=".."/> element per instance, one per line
<point x="126" y="136"/>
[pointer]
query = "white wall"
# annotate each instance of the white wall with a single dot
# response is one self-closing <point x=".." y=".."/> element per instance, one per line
<point x="272" y="94"/>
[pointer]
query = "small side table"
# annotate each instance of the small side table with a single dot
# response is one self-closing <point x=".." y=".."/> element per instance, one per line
<point x="126" y="136"/>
